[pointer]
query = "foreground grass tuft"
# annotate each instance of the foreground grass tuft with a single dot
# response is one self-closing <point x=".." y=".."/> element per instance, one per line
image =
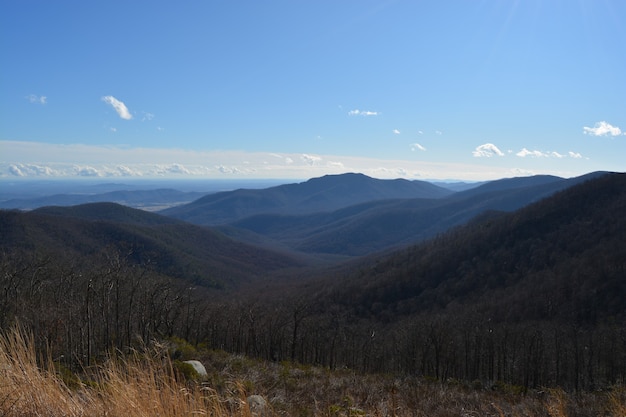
<point x="148" y="384"/>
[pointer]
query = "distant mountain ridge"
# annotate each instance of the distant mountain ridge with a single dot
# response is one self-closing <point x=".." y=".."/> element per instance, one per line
<point x="146" y="199"/>
<point x="384" y="224"/>
<point x="324" y="194"/>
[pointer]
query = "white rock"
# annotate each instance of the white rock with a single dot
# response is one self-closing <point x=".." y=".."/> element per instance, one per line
<point x="199" y="368"/>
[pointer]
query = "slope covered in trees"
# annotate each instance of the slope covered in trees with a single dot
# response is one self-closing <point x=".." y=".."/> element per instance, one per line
<point x="565" y="257"/>
<point x="171" y="247"/>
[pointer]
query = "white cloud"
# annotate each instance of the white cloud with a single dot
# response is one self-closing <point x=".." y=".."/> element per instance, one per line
<point x="176" y="169"/>
<point x="438" y="132"/>
<point x="396" y="131"/>
<point x="30" y="170"/>
<point x="553" y="154"/>
<point x="16" y="170"/>
<point x="118" y="106"/>
<point x="228" y="170"/>
<point x="602" y="129"/>
<point x="525" y="152"/>
<point x="127" y="171"/>
<point x="310" y="159"/>
<point x="86" y="171"/>
<point x="23" y="160"/>
<point x="33" y="98"/>
<point x="417" y="146"/>
<point x="487" y="150"/>
<point x="358" y="112"/>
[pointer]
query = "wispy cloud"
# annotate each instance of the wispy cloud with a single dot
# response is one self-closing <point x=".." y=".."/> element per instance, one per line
<point x="396" y="131"/>
<point x="31" y="170"/>
<point x="358" y="112"/>
<point x="536" y="154"/>
<point x="552" y="154"/>
<point x="487" y="150"/>
<point x="86" y="171"/>
<point x="118" y="106"/>
<point x="33" y="98"/>
<point x="126" y="171"/>
<point x="42" y="160"/>
<point x="602" y="129"/>
<point x="310" y="159"/>
<point x="417" y="146"/>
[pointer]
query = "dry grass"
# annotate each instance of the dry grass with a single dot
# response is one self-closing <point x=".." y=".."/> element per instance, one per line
<point x="147" y="385"/>
<point x="142" y="385"/>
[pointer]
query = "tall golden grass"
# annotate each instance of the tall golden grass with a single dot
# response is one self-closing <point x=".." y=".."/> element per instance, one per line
<point x="138" y="385"/>
<point x="147" y="384"/>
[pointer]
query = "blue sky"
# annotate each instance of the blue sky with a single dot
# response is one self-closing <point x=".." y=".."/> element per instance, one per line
<point x="445" y="89"/>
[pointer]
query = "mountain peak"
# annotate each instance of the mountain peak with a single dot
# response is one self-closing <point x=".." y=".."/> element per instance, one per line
<point x="321" y="194"/>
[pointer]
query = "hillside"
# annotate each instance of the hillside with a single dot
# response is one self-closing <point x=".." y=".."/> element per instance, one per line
<point x="172" y="247"/>
<point x="107" y="211"/>
<point x="327" y="193"/>
<point x="561" y="258"/>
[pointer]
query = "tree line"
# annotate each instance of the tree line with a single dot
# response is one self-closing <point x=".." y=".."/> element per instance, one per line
<point x="84" y="309"/>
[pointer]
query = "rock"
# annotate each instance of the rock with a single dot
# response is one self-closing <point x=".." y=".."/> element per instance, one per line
<point x="257" y="405"/>
<point x="199" y="368"/>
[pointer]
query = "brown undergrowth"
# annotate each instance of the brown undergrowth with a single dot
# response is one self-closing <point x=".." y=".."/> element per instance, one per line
<point x="148" y="384"/>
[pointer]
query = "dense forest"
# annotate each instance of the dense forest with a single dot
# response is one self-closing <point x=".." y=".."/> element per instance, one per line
<point x="525" y="299"/>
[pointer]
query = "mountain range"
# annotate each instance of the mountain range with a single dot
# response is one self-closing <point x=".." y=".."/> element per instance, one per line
<point x="328" y="193"/>
<point x="317" y="221"/>
<point x="354" y="215"/>
<point x="518" y="281"/>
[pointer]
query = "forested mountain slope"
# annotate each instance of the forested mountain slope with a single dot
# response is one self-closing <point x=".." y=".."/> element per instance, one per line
<point x="562" y="258"/>
<point x="172" y="247"/>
